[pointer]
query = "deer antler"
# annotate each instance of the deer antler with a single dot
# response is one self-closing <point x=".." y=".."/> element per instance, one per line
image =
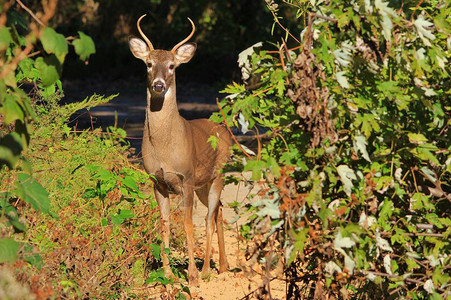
<point x="187" y="39"/>
<point x="143" y="35"/>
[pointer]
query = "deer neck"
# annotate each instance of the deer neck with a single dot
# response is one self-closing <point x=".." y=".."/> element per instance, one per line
<point x="161" y="113"/>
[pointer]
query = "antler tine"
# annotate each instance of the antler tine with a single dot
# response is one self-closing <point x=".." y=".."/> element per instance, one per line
<point x="143" y="35"/>
<point x="187" y="39"/>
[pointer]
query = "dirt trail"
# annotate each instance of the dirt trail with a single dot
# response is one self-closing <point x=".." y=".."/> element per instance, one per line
<point x="229" y="285"/>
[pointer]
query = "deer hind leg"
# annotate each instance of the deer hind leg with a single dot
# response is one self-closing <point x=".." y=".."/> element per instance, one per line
<point x="188" y="195"/>
<point x="162" y="197"/>
<point x="211" y="221"/>
<point x="223" y="264"/>
<point x="203" y="194"/>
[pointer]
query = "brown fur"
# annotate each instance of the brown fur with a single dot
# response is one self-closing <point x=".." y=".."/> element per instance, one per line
<point x="177" y="153"/>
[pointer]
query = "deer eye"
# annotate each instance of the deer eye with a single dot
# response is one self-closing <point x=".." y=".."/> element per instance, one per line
<point x="149" y="65"/>
<point x="171" y="67"/>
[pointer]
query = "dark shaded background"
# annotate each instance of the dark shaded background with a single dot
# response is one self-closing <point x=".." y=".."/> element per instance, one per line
<point x="224" y="28"/>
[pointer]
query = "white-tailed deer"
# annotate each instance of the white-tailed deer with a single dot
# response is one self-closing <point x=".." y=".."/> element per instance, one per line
<point x="177" y="153"/>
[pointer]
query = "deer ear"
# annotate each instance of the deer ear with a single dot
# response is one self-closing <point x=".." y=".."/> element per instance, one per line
<point x="138" y="47"/>
<point x="185" y="52"/>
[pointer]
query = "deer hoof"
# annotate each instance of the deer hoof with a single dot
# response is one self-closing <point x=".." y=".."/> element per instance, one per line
<point x="223" y="269"/>
<point x="193" y="280"/>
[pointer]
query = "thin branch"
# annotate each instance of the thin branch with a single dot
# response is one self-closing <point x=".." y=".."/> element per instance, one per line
<point x="281" y="26"/>
<point x="415" y="10"/>
<point x="407" y="279"/>
<point x="13" y="65"/>
<point x="230" y="130"/>
<point x="324" y="17"/>
<point x="30" y="12"/>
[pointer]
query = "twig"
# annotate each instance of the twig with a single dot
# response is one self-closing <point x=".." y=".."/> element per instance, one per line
<point x="281" y="26"/>
<point x="291" y="49"/>
<point x="107" y="133"/>
<point x="415" y="10"/>
<point x="252" y="292"/>
<point x="324" y="17"/>
<point x="22" y="55"/>
<point x="411" y="280"/>
<point x="414" y="180"/>
<point x="425" y="234"/>
<point x="281" y="137"/>
<point x="283" y="61"/>
<point x="230" y="130"/>
<point x="259" y="144"/>
<point x="34" y="54"/>
<point x="30" y="12"/>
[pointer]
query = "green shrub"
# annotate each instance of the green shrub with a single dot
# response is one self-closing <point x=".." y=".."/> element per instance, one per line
<point x="94" y="238"/>
<point x="357" y="150"/>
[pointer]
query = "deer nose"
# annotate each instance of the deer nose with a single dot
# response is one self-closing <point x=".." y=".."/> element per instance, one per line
<point x="158" y="86"/>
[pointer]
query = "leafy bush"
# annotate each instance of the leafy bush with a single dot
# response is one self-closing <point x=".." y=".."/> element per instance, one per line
<point x="356" y="150"/>
<point x="98" y="214"/>
<point x="18" y="66"/>
<point x="98" y="242"/>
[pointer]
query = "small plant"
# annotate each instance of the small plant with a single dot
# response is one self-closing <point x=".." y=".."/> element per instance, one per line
<point x="173" y="287"/>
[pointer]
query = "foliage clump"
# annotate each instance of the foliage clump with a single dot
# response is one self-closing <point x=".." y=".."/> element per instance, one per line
<point x="76" y="218"/>
<point x="357" y="154"/>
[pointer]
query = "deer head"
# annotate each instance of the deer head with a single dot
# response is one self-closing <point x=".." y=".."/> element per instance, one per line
<point x="161" y="64"/>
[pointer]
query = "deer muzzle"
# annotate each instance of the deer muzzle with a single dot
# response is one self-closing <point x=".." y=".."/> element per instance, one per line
<point x="158" y="86"/>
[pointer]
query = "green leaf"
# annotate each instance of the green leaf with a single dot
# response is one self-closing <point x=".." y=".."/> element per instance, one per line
<point x="54" y="43"/>
<point x="273" y="166"/>
<point x="8" y="250"/>
<point x="11" y="109"/>
<point x="13" y="217"/>
<point x="346" y="176"/>
<point x="10" y="79"/>
<point x="130" y="183"/>
<point x="213" y="140"/>
<point x="117" y="220"/>
<point x="11" y="146"/>
<point x="342" y="80"/>
<point x="360" y="144"/>
<point x="256" y="167"/>
<point x="158" y="276"/>
<point x="300" y="239"/>
<point x="386" y="12"/>
<point x="156" y="251"/>
<point x="32" y="192"/>
<point x="84" y="46"/>
<point x="48" y="72"/>
<point x="423" y="28"/>
<point x="35" y="260"/>
<point x="126" y="214"/>
<point x="5" y="38"/>
<point x="417" y="138"/>
<point x="26" y="70"/>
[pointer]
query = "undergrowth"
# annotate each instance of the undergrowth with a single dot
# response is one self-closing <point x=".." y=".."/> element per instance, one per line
<point x="97" y="241"/>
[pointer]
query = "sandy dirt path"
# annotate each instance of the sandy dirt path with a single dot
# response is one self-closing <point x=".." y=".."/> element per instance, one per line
<point x="232" y="284"/>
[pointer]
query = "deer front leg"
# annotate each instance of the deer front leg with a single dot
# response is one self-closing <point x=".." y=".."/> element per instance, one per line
<point x="162" y="197"/>
<point x="188" y="196"/>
